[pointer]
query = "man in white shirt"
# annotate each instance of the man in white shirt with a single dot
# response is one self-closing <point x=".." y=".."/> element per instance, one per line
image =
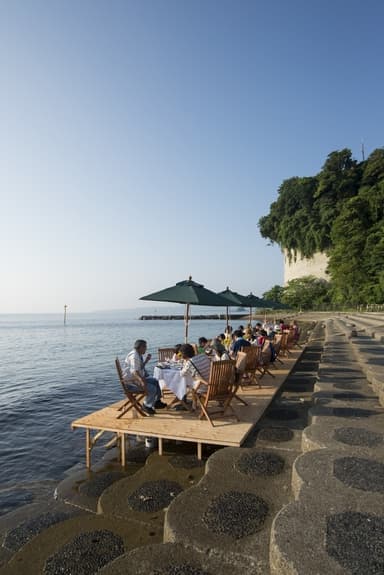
<point x="136" y="377"/>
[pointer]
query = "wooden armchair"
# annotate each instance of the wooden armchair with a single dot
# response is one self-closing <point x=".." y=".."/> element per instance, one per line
<point x="290" y="341"/>
<point x="277" y="345"/>
<point x="266" y="359"/>
<point x="287" y="343"/>
<point x="249" y="365"/>
<point x="164" y="353"/>
<point x="219" y="390"/>
<point x="134" y="398"/>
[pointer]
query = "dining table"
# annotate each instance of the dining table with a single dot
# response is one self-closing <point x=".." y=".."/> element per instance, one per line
<point x="169" y="376"/>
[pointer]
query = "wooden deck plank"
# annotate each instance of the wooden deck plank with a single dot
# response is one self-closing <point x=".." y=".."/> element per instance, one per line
<point x="186" y="426"/>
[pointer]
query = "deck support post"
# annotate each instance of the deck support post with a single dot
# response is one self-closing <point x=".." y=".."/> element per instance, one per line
<point x="199" y="450"/>
<point x="122" y="449"/>
<point x="160" y="443"/>
<point x="88" y="448"/>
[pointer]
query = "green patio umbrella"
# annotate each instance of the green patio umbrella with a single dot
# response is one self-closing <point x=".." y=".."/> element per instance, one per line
<point x="233" y="298"/>
<point x="252" y="301"/>
<point x="189" y="293"/>
<point x="260" y="303"/>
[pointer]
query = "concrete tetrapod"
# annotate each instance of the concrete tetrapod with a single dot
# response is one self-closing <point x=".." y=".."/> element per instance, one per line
<point x="229" y="513"/>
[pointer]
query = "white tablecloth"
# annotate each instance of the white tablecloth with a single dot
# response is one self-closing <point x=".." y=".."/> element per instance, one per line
<point x="173" y="380"/>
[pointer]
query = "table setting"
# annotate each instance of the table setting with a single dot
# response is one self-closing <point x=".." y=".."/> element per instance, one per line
<point x="168" y="373"/>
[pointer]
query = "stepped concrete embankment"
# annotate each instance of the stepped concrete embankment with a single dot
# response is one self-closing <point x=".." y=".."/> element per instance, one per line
<point x="336" y="522"/>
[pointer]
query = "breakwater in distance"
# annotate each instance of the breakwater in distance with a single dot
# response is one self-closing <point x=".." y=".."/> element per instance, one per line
<point x="221" y="316"/>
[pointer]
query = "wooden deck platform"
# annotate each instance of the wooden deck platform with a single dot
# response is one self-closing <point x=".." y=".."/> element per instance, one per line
<point x="186" y="426"/>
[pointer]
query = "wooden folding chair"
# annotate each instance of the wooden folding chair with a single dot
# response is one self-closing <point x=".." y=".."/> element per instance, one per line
<point x="134" y="398"/>
<point x="164" y="353"/>
<point x="250" y="366"/>
<point x="277" y="345"/>
<point x="219" y="390"/>
<point x="290" y="341"/>
<point x="286" y="344"/>
<point x="296" y="332"/>
<point x="265" y="359"/>
<point x="240" y="364"/>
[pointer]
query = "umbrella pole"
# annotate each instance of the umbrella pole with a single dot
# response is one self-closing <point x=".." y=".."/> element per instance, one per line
<point x="186" y="322"/>
<point x="227" y="316"/>
<point x="250" y="316"/>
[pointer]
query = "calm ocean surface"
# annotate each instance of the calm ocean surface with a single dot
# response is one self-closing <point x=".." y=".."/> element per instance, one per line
<point x="51" y="374"/>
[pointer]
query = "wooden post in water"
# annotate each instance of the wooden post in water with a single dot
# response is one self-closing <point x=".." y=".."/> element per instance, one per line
<point x="65" y="313"/>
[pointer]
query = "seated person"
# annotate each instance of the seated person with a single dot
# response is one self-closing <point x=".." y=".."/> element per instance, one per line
<point x="254" y="336"/>
<point x="228" y="331"/>
<point x="196" y="366"/>
<point x="295" y="330"/>
<point x="269" y="328"/>
<point x="202" y="346"/>
<point x="238" y="342"/>
<point x="277" y="326"/>
<point x="177" y="355"/>
<point x="219" y="351"/>
<point x="136" y="377"/>
<point x="261" y="338"/>
<point x="228" y="337"/>
<point x="248" y="332"/>
<point x="282" y="325"/>
<point x="285" y="326"/>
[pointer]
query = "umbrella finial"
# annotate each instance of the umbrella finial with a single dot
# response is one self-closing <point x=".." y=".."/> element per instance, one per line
<point x="190" y="278"/>
<point x="227" y="288"/>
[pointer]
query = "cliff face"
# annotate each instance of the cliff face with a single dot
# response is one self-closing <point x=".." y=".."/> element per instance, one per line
<point x="314" y="266"/>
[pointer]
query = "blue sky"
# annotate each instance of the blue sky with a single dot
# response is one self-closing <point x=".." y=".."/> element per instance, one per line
<point x="141" y="141"/>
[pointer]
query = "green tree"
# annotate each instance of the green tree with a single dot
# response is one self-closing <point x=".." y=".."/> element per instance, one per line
<point x="274" y="294"/>
<point x="290" y="222"/>
<point x="339" y="211"/>
<point x="357" y="259"/>
<point x="339" y="176"/>
<point x="306" y="293"/>
<point x="338" y="181"/>
<point x="374" y="168"/>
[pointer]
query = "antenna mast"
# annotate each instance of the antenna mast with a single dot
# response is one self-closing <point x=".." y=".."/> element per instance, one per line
<point x="65" y="314"/>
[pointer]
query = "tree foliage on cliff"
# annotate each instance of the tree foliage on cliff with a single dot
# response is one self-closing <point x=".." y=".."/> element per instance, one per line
<point x="302" y="293"/>
<point x="339" y="211"/>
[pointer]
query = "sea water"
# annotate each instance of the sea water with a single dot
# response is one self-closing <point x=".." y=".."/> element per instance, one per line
<point x="52" y="374"/>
